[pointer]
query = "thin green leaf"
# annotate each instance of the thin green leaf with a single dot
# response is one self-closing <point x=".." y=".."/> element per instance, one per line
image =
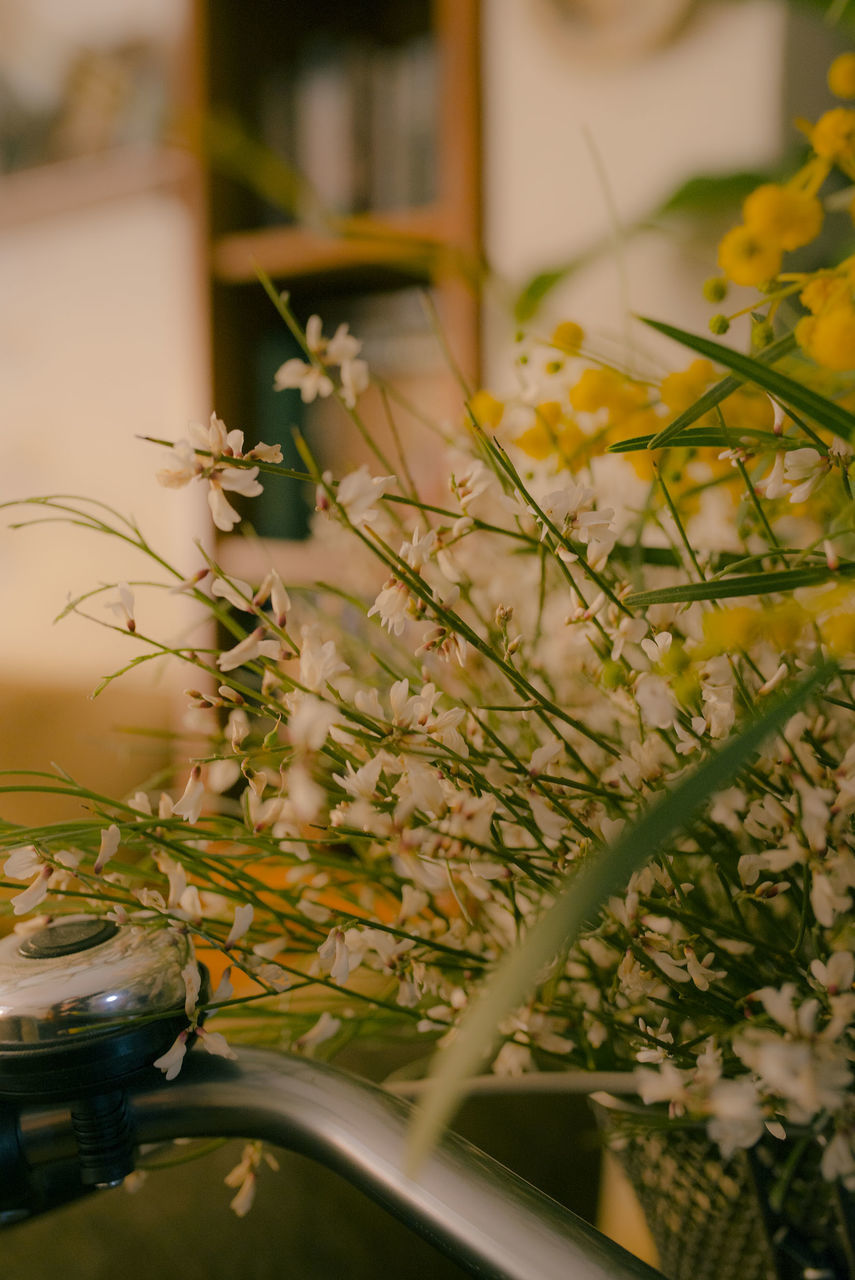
<point x="721" y="390"/>
<point x="707" y="193"/>
<point x="749" y="584"/>
<point x="748" y="369"/>
<point x="710" y="438"/>
<point x="578" y="902"/>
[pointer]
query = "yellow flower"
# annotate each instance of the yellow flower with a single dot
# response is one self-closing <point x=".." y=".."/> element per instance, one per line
<point x="541" y="438"/>
<point x="742" y="626"/>
<point x="784" y="216"/>
<point x="833" y="136"/>
<point x="680" y="390"/>
<point x="606" y="389"/>
<point x="728" y="629"/>
<point x="747" y="258"/>
<point x="841" y="76"/>
<point x="748" y="407"/>
<point x="822" y="291"/>
<point x="568" y="336"/>
<point x="838" y="633"/>
<point x="829" y="338"/>
<point x="486" y="410"/>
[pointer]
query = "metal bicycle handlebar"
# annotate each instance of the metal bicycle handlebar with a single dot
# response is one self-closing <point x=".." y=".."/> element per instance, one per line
<point x="469" y="1206"/>
<point x="86" y="1007"/>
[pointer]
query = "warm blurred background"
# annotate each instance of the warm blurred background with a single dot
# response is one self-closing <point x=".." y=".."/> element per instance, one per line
<point x="153" y="153"/>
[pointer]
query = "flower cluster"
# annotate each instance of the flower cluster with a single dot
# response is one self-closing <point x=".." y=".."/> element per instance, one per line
<point x="394" y="776"/>
<point x="778" y="218"/>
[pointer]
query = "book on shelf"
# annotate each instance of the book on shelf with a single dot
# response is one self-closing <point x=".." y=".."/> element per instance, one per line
<point x="358" y="120"/>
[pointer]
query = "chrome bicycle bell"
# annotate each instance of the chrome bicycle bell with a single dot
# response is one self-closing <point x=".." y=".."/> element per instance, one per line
<point x="85" y="1006"/>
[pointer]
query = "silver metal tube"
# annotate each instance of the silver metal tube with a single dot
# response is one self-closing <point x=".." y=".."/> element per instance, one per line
<point x="487" y="1219"/>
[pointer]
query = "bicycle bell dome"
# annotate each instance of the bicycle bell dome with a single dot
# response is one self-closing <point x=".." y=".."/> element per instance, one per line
<point x="85" y="1003"/>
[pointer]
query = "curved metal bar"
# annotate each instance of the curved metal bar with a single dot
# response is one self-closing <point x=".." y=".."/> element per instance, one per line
<point x="469" y="1206"/>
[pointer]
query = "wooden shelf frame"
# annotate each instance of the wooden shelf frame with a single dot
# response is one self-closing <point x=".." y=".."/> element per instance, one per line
<point x="439" y="243"/>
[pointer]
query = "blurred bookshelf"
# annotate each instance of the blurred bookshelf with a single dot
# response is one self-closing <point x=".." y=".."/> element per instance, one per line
<point x="377" y="110"/>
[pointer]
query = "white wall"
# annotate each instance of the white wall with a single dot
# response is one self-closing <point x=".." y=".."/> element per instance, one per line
<point x="100" y="342"/>
<point x="710" y="100"/>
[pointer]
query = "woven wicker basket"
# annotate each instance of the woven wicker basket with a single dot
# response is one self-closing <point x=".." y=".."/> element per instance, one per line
<point x="763" y="1214"/>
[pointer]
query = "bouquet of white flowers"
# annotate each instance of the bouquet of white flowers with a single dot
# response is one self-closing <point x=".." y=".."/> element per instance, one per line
<point x="575" y="732"/>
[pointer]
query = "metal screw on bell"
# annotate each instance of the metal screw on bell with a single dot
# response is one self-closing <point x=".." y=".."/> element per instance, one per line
<point x="85" y="1006"/>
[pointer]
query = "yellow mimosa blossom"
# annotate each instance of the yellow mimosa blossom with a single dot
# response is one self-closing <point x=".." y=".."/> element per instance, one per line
<point x="542" y="438"/>
<point x="823" y="291"/>
<point x="486" y="409"/>
<point x="728" y="629"/>
<point x="606" y="389"/>
<point x="741" y="626"/>
<point x="841" y="76"/>
<point x="568" y="336"/>
<point x="784" y="216"/>
<point x="829" y="338"/>
<point x="838" y="633"/>
<point x="748" y="258"/>
<point x="833" y="137"/>
<point x="680" y="390"/>
<point x="748" y="407"/>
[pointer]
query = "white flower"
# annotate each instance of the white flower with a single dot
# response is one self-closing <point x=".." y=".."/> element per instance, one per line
<point x="215" y="1043"/>
<point x="123" y="605"/>
<point x="324" y="1029"/>
<point x="310" y="720"/>
<point x="668" y="1084"/>
<point x="170" y="1063"/>
<point x="419" y="549"/>
<point x="354" y="380"/>
<point x="826" y="899"/>
<point x="266" y="452"/>
<point x="192" y="986"/>
<point x="110" y="838"/>
<point x="657" y="647"/>
<point x="237" y="592"/>
<point x="362" y="782"/>
<point x="189" y="806"/>
<point x="310" y="379"/>
<point x="242" y="922"/>
<point x="838" y="974"/>
<point x="244" y="1176"/>
<point x="702" y="972"/>
<point x="320" y="663"/>
<point x="335" y="956"/>
<point x="35" y="893"/>
<point x="736" y="1117"/>
<point x="195" y="459"/>
<point x="273" y="589"/>
<point x="804" y="468"/>
<point x="234" y="480"/>
<point x="255" y="645"/>
<point x="392" y="606"/>
<point x="774" y="486"/>
<point x="343" y="347"/>
<point x="655" y="701"/>
<point x="838" y="1160"/>
<point x="358" y="493"/>
<point x="545" y="755"/>
<point x="176" y="876"/>
<point x="419" y="789"/>
<point x="23" y="863"/>
<point x="241" y="1203"/>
